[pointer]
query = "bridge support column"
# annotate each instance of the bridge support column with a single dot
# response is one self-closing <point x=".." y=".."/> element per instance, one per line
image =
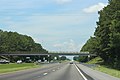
<point x="48" y="58"/>
<point x="88" y="57"/>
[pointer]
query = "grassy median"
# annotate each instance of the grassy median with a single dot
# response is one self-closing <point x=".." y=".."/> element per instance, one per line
<point x="4" y="68"/>
<point x="104" y="68"/>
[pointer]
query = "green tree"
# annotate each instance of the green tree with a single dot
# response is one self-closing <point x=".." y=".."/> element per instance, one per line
<point x="90" y="45"/>
<point x="107" y="35"/>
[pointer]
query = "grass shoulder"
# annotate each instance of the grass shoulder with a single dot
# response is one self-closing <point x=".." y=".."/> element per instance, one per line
<point x="103" y="68"/>
<point x="4" y="68"/>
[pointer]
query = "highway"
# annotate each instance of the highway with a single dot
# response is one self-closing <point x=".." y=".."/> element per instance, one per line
<point x="62" y="71"/>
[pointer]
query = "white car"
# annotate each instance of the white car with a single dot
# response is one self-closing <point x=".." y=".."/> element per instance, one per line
<point x="19" y="61"/>
<point x="3" y="61"/>
<point x="39" y="61"/>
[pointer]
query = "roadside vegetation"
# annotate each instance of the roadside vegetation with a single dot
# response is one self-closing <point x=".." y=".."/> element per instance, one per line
<point x="106" y="40"/>
<point x="14" y="42"/>
<point x="4" y="68"/>
<point x="101" y="66"/>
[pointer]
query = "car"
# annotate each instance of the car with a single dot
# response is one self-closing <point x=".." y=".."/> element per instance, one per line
<point x="19" y="61"/>
<point x="39" y="61"/>
<point x="71" y="62"/>
<point x="3" y="61"/>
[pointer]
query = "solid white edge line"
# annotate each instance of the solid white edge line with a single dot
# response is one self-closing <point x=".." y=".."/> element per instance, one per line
<point x="80" y="73"/>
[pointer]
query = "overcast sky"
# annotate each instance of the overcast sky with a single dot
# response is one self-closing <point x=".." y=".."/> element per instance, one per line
<point x="59" y="25"/>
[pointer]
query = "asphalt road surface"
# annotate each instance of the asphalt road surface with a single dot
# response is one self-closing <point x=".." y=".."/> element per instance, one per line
<point x="61" y="71"/>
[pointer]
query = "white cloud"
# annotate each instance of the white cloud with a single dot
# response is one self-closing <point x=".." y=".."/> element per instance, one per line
<point x="67" y="46"/>
<point x="95" y="8"/>
<point x="63" y="1"/>
<point x="43" y="24"/>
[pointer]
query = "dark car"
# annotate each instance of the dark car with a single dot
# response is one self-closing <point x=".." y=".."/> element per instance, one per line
<point x="71" y="62"/>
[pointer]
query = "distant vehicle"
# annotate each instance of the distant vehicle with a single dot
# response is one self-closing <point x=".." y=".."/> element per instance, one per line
<point x="28" y="61"/>
<point x="3" y="61"/>
<point x="39" y="61"/>
<point x="71" y="62"/>
<point x="19" y="61"/>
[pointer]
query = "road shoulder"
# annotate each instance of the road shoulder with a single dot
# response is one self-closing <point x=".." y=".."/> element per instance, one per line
<point x="96" y="75"/>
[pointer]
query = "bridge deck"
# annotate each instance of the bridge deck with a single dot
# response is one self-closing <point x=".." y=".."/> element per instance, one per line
<point x="38" y="53"/>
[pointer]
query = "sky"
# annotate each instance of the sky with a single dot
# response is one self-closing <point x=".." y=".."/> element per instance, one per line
<point x="58" y="25"/>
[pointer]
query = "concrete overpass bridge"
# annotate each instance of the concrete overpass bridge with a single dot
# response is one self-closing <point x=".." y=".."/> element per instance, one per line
<point x="72" y="53"/>
<point x="49" y="53"/>
<point x="47" y="56"/>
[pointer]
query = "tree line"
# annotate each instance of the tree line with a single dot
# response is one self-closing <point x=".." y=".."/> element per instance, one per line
<point x="106" y="40"/>
<point x="13" y="42"/>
